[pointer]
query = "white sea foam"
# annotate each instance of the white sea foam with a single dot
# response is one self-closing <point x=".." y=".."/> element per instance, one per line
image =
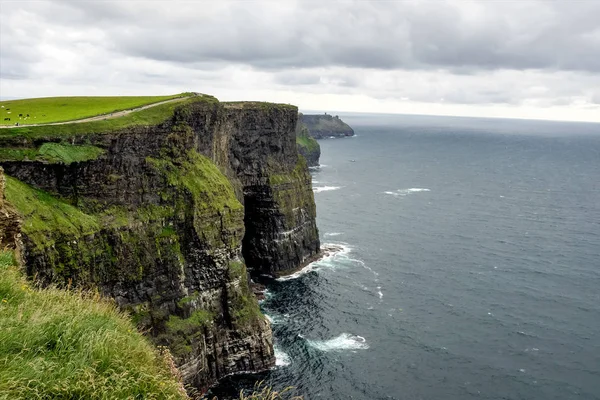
<point x="339" y="250"/>
<point x="281" y="358"/>
<point x="276" y="319"/>
<point x="320" y="189"/>
<point x="411" y="190"/>
<point x="334" y="233"/>
<point x="379" y="292"/>
<point x="406" y="192"/>
<point x="345" y="341"/>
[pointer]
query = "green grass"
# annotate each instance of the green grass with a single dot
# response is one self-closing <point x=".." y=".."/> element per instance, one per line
<point x="67" y="154"/>
<point x="45" y="216"/>
<point x="148" y="117"/>
<point x="52" y="153"/>
<point x="57" y="344"/>
<point x="200" y="177"/>
<point x="59" y="109"/>
<point x="307" y="142"/>
<point x="190" y="325"/>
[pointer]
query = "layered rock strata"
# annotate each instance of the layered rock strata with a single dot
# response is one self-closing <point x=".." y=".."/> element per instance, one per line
<point x="307" y="146"/>
<point x="168" y="219"/>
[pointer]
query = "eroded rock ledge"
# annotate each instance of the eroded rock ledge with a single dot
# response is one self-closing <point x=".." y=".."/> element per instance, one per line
<point x="168" y="219"/>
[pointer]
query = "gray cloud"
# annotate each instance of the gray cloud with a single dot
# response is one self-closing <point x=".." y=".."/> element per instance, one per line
<point x="556" y="35"/>
<point x="530" y="52"/>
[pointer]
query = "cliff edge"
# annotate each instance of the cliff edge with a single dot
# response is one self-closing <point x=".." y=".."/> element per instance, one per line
<point x="307" y="146"/>
<point x="323" y="126"/>
<point x="169" y="211"/>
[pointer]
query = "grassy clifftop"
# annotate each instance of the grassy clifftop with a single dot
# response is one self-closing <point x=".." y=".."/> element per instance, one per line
<point x="56" y="344"/>
<point x="151" y="116"/>
<point x="58" y="109"/>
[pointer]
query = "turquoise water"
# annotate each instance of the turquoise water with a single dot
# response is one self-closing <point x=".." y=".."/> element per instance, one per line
<point x="469" y="265"/>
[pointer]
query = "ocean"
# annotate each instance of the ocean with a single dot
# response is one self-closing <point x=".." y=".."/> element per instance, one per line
<point x="468" y="265"/>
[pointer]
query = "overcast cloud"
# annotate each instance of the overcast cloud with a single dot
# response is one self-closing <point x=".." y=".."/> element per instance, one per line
<point x="536" y="59"/>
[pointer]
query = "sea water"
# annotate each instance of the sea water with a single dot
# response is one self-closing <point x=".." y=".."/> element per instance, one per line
<point x="468" y="265"/>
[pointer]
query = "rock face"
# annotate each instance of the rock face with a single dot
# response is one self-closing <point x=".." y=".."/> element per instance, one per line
<point x="10" y="223"/>
<point x="167" y="218"/>
<point x="307" y="146"/>
<point x="324" y="126"/>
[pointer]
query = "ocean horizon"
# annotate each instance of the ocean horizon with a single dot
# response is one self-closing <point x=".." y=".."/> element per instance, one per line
<point x="468" y="265"/>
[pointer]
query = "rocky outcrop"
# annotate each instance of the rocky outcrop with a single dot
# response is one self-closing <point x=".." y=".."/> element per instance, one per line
<point x="168" y="219"/>
<point x="307" y="146"/>
<point x="10" y="223"/>
<point x="324" y="126"/>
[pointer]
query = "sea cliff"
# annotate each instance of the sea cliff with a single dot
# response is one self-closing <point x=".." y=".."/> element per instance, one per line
<point x="323" y="126"/>
<point x="170" y="213"/>
<point x="307" y="146"/>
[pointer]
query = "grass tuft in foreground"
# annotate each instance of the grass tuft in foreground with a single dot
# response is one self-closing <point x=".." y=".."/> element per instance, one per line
<point x="57" y="344"/>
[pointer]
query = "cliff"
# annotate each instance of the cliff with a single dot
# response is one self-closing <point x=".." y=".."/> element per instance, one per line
<point x="68" y="344"/>
<point x="324" y="126"/>
<point x="10" y="222"/>
<point x="307" y="146"/>
<point x="168" y="211"/>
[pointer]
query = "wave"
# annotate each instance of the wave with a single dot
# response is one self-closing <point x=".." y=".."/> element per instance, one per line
<point x="345" y="341"/>
<point x="318" y="167"/>
<point x="331" y="253"/>
<point x="282" y="359"/>
<point x="334" y="233"/>
<point x="276" y="319"/>
<point x="406" y="192"/>
<point x="320" y="189"/>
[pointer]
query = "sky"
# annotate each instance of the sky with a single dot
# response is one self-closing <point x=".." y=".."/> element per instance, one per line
<point x="516" y="59"/>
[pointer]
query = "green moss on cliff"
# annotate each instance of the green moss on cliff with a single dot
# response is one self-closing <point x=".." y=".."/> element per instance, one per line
<point x="71" y="345"/>
<point x="52" y="153"/>
<point x="186" y="326"/>
<point x="242" y="302"/>
<point x="218" y="215"/>
<point x="307" y="146"/>
<point x="304" y="140"/>
<point x="308" y="143"/>
<point x="296" y="176"/>
<point x="46" y="217"/>
<point x="18" y="154"/>
<point x="201" y="178"/>
<point x="67" y="154"/>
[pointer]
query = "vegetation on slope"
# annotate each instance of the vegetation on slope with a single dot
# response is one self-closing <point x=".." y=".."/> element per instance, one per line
<point x="304" y="140"/>
<point x="45" y="216"/>
<point x="58" y="109"/>
<point x="148" y="117"/>
<point x="54" y="153"/>
<point x="57" y="344"/>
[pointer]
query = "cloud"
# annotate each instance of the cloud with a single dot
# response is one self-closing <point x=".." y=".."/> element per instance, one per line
<point x="520" y="54"/>
<point x="381" y="35"/>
